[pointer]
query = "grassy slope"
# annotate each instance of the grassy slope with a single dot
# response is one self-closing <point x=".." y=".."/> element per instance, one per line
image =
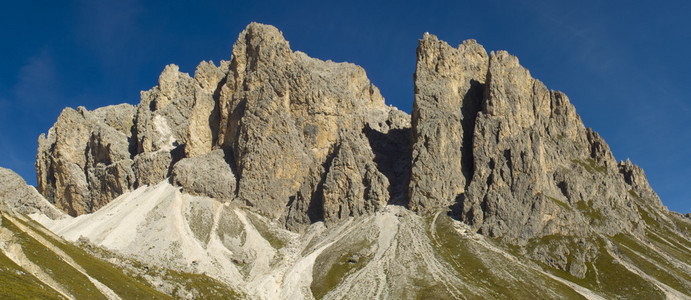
<point x="75" y="282"/>
<point x="122" y="284"/>
<point x="132" y="286"/>
<point x="494" y="276"/>
<point x="482" y="268"/>
<point x="16" y="283"/>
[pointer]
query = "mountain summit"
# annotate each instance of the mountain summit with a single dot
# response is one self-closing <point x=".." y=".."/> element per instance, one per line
<point x="276" y="175"/>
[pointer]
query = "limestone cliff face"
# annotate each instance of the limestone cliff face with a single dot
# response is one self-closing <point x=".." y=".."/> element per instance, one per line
<point x="90" y="157"/>
<point x="448" y="91"/>
<point x="534" y="158"/>
<point x="284" y="115"/>
<point x="283" y="120"/>
<point x="513" y="159"/>
<point x="84" y="161"/>
<point x="302" y="140"/>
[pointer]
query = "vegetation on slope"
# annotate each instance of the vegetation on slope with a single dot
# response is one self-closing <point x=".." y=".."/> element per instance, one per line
<point x="483" y="268"/>
<point x="68" y="277"/>
<point x="15" y="282"/>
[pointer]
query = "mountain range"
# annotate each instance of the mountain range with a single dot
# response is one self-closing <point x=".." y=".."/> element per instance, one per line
<point x="275" y="175"/>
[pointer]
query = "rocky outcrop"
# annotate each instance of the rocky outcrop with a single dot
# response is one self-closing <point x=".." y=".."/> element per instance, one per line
<point x="164" y="111"/>
<point x="292" y="129"/>
<point x="514" y="160"/>
<point x="205" y="115"/>
<point x="533" y="158"/>
<point x="638" y="184"/>
<point x="90" y="157"/>
<point x="302" y="140"/>
<point x="207" y="175"/>
<point x="17" y="196"/>
<point x="505" y="151"/>
<point x="353" y="185"/>
<point x="283" y="115"/>
<point x="84" y="160"/>
<point x="448" y="91"/>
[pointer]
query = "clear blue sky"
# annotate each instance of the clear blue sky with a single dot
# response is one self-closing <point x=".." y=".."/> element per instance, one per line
<point x="624" y="64"/>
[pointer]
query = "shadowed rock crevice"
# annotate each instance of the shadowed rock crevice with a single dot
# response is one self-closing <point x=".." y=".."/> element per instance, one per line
<point x="392" y="158"/>
<point x="471" y="106"/>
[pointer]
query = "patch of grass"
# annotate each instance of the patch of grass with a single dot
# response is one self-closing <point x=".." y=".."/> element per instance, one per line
<point x="661" y="269"/>
<point x="204" y="286"/>
<point x="469" y="262"/>
<point x="675" y="243"/>
<point x="591" y="166"/>
<point x="330" y="270"/>
<point x="426" y="289"/>
<point x="647" y="214"/>
<point x="266" y="232"/>
<point x="75" y="282"/>
<point x="555" y="200"/>
<point x="18" y="284"/>
<point x="672" y="246"/>
<point x="607" y="276"/>
<point x="650" y="221"/>
<point x="635" y="195"/>
<point x="586" y="208"/>
<point x="125" y="286"/>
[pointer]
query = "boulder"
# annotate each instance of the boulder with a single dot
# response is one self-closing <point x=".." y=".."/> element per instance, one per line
<point x="207" y="175"/>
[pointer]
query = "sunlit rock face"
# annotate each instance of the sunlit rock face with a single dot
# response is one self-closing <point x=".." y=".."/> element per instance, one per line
<point x="282" y="118"/>
<point x="284" y="176"/>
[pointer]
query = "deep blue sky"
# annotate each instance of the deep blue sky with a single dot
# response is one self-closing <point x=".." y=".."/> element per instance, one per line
<point x="625" y="66"/>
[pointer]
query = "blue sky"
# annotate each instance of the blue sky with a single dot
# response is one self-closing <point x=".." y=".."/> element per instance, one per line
<point x="623" y="64"/>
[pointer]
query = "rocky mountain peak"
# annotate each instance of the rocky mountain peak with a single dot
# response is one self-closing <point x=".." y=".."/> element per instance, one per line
<point x="302" y="140"/>
<point x="513" y="158"/>
<point x="281" y="118"/>
<point x="449" y="86"/>
<point x="490" y="165"/>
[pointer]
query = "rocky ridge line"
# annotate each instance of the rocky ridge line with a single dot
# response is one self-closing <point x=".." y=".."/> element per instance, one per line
<point x="303" y="140"/>
<point x="300" y="139"/>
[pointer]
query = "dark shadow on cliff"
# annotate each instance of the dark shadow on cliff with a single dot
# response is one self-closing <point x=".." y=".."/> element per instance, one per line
<point x="472" y="105"/>
<point x="392" y="152"/>
<point x="229" y="158"/>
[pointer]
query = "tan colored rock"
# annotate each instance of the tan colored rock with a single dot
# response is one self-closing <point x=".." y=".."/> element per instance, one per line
<point x="282" y="114"/>
<point x="163" y="112"/>
<point x="79" y="145"/>
<point x="205" y="115"/>
<point x="151" y="168"/>
<point x="448" y="91"/>
<point x="533" y="157"/>
<point x="353" y="186"/>
<point x="526" y="167"/>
